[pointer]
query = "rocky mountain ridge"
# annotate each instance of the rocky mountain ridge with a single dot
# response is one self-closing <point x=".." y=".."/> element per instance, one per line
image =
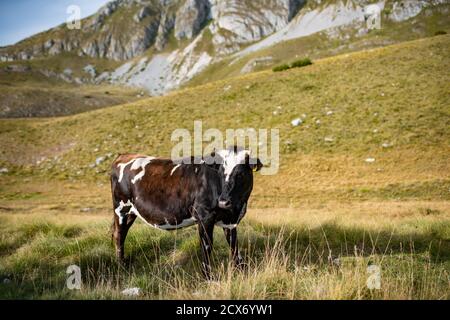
<point x="124" y="29"/>
<point x="165" y="43"/>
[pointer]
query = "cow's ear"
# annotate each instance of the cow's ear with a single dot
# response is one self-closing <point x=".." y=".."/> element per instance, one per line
<point x="255" y="164"/>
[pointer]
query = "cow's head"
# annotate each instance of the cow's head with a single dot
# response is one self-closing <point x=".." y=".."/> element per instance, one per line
<point x="237" y="167"/>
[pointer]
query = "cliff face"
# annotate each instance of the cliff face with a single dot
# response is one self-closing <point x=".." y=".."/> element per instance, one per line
<point x="124" y="29"/>
<point x="236" y="23"/>
<point x="176" y="39"/>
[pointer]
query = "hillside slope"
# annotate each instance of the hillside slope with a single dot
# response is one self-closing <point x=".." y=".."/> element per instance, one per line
<point x="23" y="97"/>
<point x="390" y="104"/>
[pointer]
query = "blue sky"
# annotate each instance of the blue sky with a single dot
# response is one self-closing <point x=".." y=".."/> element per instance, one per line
<point x="22" y="18"/>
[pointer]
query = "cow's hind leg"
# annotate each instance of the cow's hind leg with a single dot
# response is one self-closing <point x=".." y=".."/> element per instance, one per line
<point x="121" y="225"/>
<point x="231" y="236"/>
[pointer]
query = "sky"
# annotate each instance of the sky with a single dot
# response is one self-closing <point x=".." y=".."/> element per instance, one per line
<point x="20" y="19"/>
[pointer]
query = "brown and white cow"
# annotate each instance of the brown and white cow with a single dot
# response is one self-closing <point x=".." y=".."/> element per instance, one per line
<point x="169" y="195"/>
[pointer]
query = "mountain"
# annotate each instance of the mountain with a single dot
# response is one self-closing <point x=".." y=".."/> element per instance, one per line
<point x="160" y="45"/>
<point x="124" y="29"/>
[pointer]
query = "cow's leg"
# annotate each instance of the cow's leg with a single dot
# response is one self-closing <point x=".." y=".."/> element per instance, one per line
<point x="121" y="226"/>
<point x="206" y="230"/>
<point x="129" y="222"/>
<point x="117" y="236"/>
<point x="231" y="236"/>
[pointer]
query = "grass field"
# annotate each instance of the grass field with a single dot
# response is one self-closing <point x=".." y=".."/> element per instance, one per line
<point x="311" y="231"/>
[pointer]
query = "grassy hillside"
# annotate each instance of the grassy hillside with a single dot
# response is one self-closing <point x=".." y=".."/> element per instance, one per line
<point x="384" y="96"/>
<point x="25" y="91"/>
<point x="44" y="100"/>
<point x="311" y="230"/>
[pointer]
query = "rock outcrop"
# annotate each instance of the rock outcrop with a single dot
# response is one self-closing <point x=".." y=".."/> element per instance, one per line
<point x="166" y="25"/>
<point x="188" y="35"/>
<point x="124" y="29"/>
<point x="191" y="16"/>
<point x="236" y="23"/>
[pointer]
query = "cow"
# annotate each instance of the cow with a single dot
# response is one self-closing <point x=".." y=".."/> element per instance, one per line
<point x="170" y="195"/>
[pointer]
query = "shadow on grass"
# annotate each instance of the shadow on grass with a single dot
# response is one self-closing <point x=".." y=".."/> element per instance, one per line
<point x="317" y="245"/>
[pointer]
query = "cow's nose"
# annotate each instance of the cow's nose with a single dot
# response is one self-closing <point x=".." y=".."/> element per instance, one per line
<point x="225" y="204"/>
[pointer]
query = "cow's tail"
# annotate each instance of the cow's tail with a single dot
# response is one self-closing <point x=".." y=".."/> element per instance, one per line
<point x="112" y="230"/>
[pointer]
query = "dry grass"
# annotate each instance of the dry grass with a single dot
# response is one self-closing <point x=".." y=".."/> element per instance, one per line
<point x="318" y="251"/>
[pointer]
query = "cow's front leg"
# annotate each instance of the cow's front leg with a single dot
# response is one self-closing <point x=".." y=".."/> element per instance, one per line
<point x="231" y="236"/>
<point x="206" y="230"/>
<point x="118" y="239"/>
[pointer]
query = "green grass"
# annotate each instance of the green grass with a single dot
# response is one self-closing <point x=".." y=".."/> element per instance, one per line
<point x="282" y="67"/>
<point x="296" y="64"/>
<point x="301" y="63"/>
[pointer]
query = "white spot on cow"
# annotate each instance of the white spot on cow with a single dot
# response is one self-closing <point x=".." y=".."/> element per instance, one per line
<point x="122" y="167"/>
<point x="231" y="159"/>
<point x="185" y="223"/>
<point x="226" y="226"/>
<point x="140" y="163"/>
<point x="119" y="209"/>
<point x="175" y="168"/>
